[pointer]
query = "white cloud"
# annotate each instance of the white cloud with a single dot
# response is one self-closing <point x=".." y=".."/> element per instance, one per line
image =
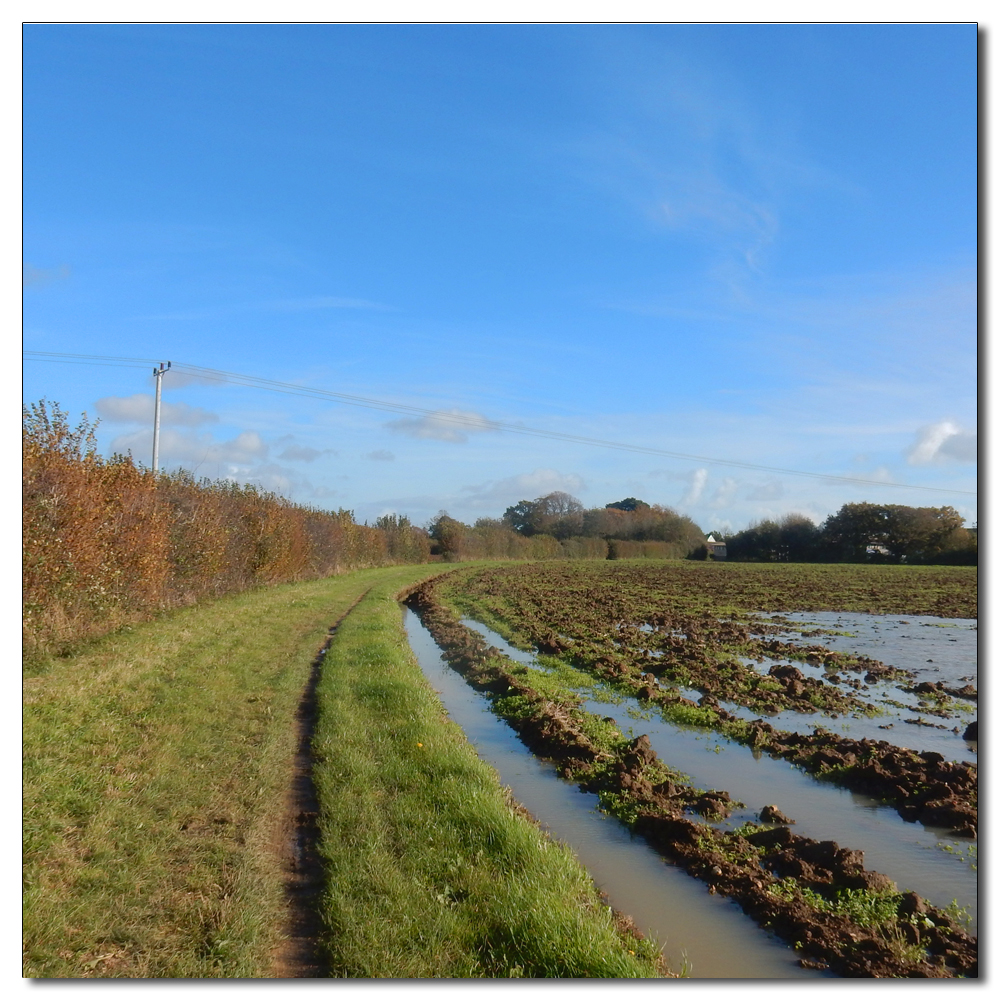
<point x="943" y="442"/>
<point x="724" y="494"/>
<point x="380" y="456"/>
<point x="273" y="478"/>
<point x="193" y="451"/>
<point x="498" y="494"/>
<point x="138" y="409"/>
<point x="444" y="425"/>
<point x="772" y="490"/>
<point x="287" y="482"/>
<point x="698" y="479"/>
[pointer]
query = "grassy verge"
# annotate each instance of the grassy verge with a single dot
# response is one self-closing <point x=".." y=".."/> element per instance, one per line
<point x="156" y="763"/>
<point x="431" y="872"/>
<point x="155" y="767"/>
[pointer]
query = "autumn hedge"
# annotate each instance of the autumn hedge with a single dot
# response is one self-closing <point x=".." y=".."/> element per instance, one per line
<point x="107" y="543"/>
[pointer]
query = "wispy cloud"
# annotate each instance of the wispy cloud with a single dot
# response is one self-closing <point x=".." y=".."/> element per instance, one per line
<point x="237" y="456"/>
<point x="881" y="474"/>
<point x="943" y="442"/>
<point x="698" y="479"/>
<point x="138" y="409"/>
<point x="286" y="481"/>
<point x="37" y="277"/>
<point x="772" y="490"/>
<point x="724" y="495"/>
<point x="328" y="302"/>
<point x="496" y="494"/>
<point x="303" y="453"/>
<point x="691" y="155"/>
<point x="380" y="456"/>
<point x="444" y="425"/>
<point x="722" y="216"/>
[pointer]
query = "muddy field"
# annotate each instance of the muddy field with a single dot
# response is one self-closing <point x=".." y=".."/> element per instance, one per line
<point x="704" y="649"/>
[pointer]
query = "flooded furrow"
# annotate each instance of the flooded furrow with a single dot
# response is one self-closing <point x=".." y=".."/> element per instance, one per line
<point x="705" y="934"/>
<point x="929" y="861"/>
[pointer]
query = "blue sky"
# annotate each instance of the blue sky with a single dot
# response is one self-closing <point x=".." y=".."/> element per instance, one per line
<point x="754" y="243"/>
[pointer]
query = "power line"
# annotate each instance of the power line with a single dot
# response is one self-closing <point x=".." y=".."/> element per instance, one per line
<point x="98" y="364"/>
<point x="57" y="355"/>
<point x="468" y="422"/>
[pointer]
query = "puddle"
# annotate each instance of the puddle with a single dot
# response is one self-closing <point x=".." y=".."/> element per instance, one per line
<point x="922" y="859"/>
<point x="707" y="934"/>
<point x="934" y="649"/>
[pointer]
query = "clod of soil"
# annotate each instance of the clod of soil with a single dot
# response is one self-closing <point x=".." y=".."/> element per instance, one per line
<point x="772" y="814"/>
<point x="793" y="885"/>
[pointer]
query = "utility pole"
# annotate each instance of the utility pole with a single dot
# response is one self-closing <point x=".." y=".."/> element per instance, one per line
<point x="158" y="375"/>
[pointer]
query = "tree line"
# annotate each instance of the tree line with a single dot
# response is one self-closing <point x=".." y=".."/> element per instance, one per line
<point x="860" y="532"/>
<point x="558" y="526"/>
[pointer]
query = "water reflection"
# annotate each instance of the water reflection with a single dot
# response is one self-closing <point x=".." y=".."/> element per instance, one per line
<point x="929" y="861"/>
<point x="707" y="934"/>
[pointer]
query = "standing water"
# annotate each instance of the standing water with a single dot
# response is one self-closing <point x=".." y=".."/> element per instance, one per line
<point x="707" y="935"/>
<point x="927" y="860"/>
<point x="935" y="650"/>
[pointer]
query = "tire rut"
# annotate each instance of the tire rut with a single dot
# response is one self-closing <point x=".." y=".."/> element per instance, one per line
<point x="301" y="954"/>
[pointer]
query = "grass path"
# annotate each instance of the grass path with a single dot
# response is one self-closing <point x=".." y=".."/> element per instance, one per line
<point x="156" y="767"/>
<point x="155" y="771"/>
<point x="431" y="872"/>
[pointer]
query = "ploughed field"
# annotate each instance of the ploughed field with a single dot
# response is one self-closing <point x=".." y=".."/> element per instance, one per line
<point x="725" y="650"/>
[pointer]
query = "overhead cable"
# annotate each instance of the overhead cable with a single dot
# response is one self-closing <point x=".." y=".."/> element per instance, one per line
<point x="471" y="422"/>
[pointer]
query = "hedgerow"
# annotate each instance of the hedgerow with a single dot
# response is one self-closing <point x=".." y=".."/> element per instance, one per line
<point x="107" y="543"/>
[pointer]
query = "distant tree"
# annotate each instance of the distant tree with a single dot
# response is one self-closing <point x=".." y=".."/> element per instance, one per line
<point x="496" y="539"/>
<point x="800" y="539"/>
<point x="860" y="531"/>
<point x="447" y="535"/>
<point x="629" y="503"/>
<point x="524" y="517"/>
<point x="795" y="538"/>
<point x="854" y="529"/>
<point x="961" y="547"/>
<point x="405" y="541"/>
<point x="919" y="534"/>
<point x="490" y="524"/>
<point x="759" y="542"/>
<point x="606" y="522"/>
<point x="557" y="514"/>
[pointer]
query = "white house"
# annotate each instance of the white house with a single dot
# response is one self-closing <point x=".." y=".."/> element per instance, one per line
<point x="716" y="549"/>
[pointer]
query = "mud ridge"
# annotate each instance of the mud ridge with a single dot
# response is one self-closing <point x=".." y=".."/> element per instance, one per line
<point x="300" y="954"/>
<point x="922" y="787"/>
<point x="789" y="884"/>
